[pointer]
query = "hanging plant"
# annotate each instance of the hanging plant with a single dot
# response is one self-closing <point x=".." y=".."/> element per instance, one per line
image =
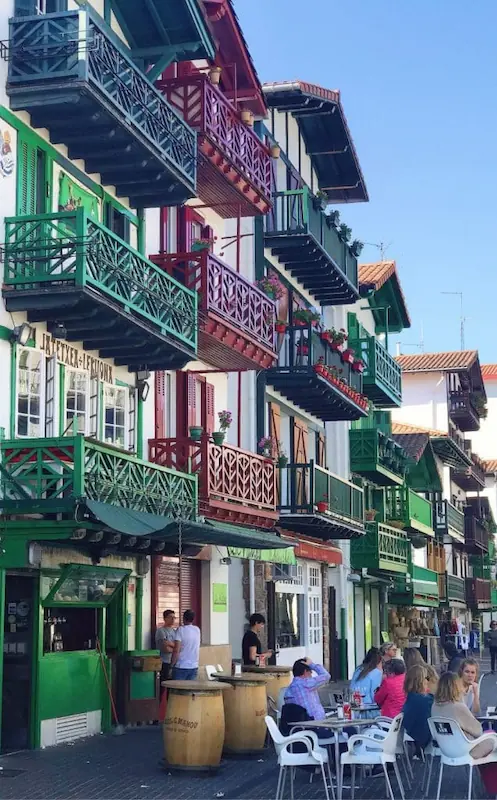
<point x="334" y="218"/>
<point x="338" y="339"/>
<point x="280" y="326"/>
<point x="344" y="232"/>
<point x="358" y="365"/>
<point x="266" y="445"/>
<point x="320" y="200"/>
<point x="348" y="356"/>
<point x="356" y="248"/>
<point x="304" y="316"/>
<point x="271" y="287"/>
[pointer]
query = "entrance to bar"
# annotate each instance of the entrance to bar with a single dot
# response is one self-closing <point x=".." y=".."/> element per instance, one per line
<point x="17" y="685"/>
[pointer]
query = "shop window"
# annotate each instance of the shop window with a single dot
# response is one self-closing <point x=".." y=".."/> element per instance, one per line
<point x="115" y="412"/>
<point x="30" y="400"/>
<point x="289" y="616"/>
<point x="314" y="619"/>
<point x="77" y="402"/>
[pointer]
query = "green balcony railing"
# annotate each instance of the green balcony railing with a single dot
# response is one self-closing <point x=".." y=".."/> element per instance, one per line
<point x="419" y="589"/>
<point x="383" y="548"/>
<point x="456" y="589"/>
<point x="382" y="377"/>
<point x="448" y="520"/>
<point x="52" y="474"/>
<point x="377" y="456"/>
<point x="71" y="250"/>
<point x="404" y="505"/>
<point x="302" y="486"/>
<point x="296" y="212"/>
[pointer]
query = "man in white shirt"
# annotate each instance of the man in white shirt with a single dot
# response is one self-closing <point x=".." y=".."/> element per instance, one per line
<point x="186" y="650"/>
<point x="164" y="641"/>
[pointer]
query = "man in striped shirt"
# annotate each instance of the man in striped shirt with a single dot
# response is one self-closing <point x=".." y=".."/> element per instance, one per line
<point x="303" y="690"/>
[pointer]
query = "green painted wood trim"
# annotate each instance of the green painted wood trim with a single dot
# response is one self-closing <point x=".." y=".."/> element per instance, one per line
<point x="139" y="427"/>
<point x="26" y="131"/>
<point x="2" y="617"/>
<point x="100" y="420"/>
<point x="5" y="333"/>
<point x="62" y="399"/>
<point x="37" y="655"/>
<point x="13" y="387"/>
<point x="141" y="245"/>
<point x="139" y="614"/>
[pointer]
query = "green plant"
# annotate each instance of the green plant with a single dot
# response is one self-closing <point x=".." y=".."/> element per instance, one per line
<point x="306" y="315"/>
<point x="344" y="232"/>
<point x="481" y="406"/>
<point x="356" y="247"/>
<point x="334" y="218"/>
<point x="271" y="286"/>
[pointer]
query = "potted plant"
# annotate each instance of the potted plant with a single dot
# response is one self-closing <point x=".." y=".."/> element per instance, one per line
<point x="305" y="316"/>
<point x="322" y="505"/>
<point x="201" y="244"/>
<point x="320" y="200"/>
<point x="195" y="432"/>
<point x="356" y="248"/>
<point x="280" y="326"/>
<point x="275" y="150"/>
<point x="348" y="356"/>
<point x="282" y="459"/>
<point x="370" y="514"/>
<point x="481" y="406"/>
<point x="396" y="523"/>
<point x="225" y="420"/>
<point x="271" y="287"/>
<point x="320" y="367"/>
<point x="215" y="75"/>
<point x="265" y="446"/>
<point x="334" y="218"/>
<point x="344" y="232"/>
<point x="303" y="348"/>
<point x="358" y="365"/>
<point x="338" y="340"/>
<point x="247" y="117"/>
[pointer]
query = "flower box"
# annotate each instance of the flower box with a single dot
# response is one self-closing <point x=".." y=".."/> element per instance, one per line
<point x="348" y="356"/>
<point x="337" y="347"/>
<point x="358" y="366"/>
<point x="280" y="327"/>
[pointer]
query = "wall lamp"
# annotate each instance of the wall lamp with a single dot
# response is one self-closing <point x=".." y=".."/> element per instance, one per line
<point x="57" y="329"/>
<point x="22" y="334"/>
<point x="141" y="384"/>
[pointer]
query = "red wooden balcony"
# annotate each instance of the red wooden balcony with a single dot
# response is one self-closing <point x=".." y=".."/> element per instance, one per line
<point x="234" y="165"/>
<point x="478" y="593"/>
<point x="236" y="319"/>
<point x="233" y="485"/>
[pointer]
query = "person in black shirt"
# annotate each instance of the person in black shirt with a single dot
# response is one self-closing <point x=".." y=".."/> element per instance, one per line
<point x="251" y="644"/>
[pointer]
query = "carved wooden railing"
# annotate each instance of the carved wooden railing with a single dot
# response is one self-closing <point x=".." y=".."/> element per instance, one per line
<point x="225" y="473"/>
<point x="478" y="591"/>
<point x="223" y="291"/>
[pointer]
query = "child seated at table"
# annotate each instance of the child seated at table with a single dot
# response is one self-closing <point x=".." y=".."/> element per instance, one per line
<point x="390" y="695"/>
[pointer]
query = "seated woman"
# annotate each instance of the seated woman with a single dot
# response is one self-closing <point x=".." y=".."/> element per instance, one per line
<point x="468" y="673"/>
<point x="390" y="694"/>
<point x="412" y="656"/>
<point x="449" y="703"/>
<point x="418" y="704"/>
<point x="367" y="677"/>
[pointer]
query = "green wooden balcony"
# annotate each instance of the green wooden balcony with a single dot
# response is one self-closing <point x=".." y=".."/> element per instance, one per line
<point x="300" y="235"/>
<point x="455" y="591"/>
<point x="405" y="507"/>
<point x="302" y="486"/>
<point x="54" y="476"/>
<point x="76" y="78"/>
<point x="382" y="548"/>
<point x="493" y="595"/>
<point x="376" y="456"/>
<point x="419" y="588"/>
<point x="448" y="520"/>
<point x="69" y="268"/>
<point x="382" y="377"/>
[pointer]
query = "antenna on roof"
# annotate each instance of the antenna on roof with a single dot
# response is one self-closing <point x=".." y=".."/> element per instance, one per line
<point x="462" y="317"/>
<point x="420" y="345"/>
<point x="381" y="246"/>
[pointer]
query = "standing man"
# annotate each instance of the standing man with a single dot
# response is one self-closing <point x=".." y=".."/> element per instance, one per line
<point x="164" y="641"/>
<point x="186" y="649"/>
<point x="492" y="643"/>
<point x="251" y="644"/>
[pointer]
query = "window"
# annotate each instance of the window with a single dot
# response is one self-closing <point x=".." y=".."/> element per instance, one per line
<point x="314" y="619"/>
<point x="289" y="613"/>
<point x="77" y="402"/>
<point x="115" y="415"/>
<point x="315" y="577"/>
<point x="30" y="417"/>
<point x="117" y="222"/>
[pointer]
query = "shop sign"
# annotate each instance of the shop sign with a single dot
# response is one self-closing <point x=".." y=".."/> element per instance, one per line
<point x="284" y="555"/>
<point x="220" y="597"/>
<point x="72" y="356"/>
<point x="313" y="552"/>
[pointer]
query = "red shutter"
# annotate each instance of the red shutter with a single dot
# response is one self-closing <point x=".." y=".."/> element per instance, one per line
<point x="210" y="423"/>
<point x="191" y="398"/>
<point x="164" y="224"/>
<point x="208" y="233"/>
<point x="190" y="587"/>
<point x="169" y="585"/>
<point x="160" y="404"/>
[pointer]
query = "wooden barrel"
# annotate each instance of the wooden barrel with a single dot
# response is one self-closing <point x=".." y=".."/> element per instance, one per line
<point x="193" y="728"/>
<point x="245" y="707"/>
<point x="279" y="677"/>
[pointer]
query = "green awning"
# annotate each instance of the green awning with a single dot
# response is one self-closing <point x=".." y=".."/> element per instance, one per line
<point x="281" y="556"/>
<point x="141" y="523"/>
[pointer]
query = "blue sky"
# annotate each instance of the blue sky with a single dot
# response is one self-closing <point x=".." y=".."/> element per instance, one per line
<point x="418" y="89"/>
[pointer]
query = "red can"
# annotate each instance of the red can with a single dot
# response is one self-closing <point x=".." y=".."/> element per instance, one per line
<point x="347" y="711"/>
<point x="357" y="699"/>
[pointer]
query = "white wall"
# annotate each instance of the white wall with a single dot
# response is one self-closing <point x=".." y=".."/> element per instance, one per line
<point x="424" y="400"/>
<point x="237" y="609"/>
<point x="215" y="624"/>
<point x="485" y="440"/>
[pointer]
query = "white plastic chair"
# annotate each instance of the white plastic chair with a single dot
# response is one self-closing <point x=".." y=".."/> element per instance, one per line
<point x="315" y="756"/>
<point x="366" y="750"/>
<point x="455" y="748"/>
<point x="219" y="668"/>
<point x="210" y="671"/>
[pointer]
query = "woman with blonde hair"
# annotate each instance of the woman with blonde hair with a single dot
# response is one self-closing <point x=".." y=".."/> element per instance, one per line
<point x="449" y="703"/>
<point x="468" y="673"/>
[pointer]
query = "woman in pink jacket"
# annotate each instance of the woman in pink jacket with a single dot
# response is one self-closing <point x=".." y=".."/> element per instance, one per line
<point x="390" y="695"/>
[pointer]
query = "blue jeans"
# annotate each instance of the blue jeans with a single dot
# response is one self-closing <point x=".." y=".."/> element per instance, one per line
<point x="184" y="674"/>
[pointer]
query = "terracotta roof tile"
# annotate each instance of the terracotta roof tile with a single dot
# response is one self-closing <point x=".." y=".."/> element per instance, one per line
<point x="376" y="274"/>
<point x="438" y="362"/>
<point x="490" y="465"/>
<point x="489" y="370"/>
<point x="404" y="428"/>
<point x="413" y="443"/>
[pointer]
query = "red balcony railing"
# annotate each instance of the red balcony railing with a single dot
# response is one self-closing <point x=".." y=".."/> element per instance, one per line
<point x="236" y="317"/>
<point x="234" y="485"/>
<point x="231" y="149"/>
<point x="478" y="593"/>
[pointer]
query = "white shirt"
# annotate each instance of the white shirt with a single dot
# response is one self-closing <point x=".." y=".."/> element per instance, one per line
<point x="189" y="636"/>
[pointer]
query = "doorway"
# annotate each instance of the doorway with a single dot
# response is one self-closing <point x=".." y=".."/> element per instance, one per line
<point x="17" y="684"/>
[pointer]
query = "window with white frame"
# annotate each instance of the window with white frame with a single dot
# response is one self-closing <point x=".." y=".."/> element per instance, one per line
<point x="30" y="412"/>
<point x="77" y="402"/>
<point x="289" y="613"/>
<point x="315" y="619"/>
<point x="315" y="577"/>
<point x="115" y="415"/>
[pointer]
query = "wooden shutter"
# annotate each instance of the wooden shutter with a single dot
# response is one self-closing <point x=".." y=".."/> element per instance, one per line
<point x="168" y="587"/>
<point x="275" y="424"/>
<point x="160" y="404"/>
<point x="50" y="399"/>
<point x="26" y="177"/>
<point x="190" y="586"/>
<point x="209" y="424"/>
<point x="94" y="408"/>
<point x="24" y="8"/>
<point x="190" y="402"/>
<point x="300" y="449"/>
<point x="132" y="409"/>
<point x="321" y="449"/>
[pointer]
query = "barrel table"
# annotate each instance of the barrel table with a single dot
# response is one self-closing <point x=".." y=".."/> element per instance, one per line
<point x="279" y="677"/>
<point x="245" y="707"/>
<point x="193" y="728"/>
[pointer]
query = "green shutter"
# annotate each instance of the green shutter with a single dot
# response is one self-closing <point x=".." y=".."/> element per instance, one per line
<point x="26" y="176"/>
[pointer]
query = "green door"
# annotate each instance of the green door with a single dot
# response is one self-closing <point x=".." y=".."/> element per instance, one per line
<point x="33" y="184"/>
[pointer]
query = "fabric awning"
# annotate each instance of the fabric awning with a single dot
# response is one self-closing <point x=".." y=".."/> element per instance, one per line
<point x="141" y="523"/>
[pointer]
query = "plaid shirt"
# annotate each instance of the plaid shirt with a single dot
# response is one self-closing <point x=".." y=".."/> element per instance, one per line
<point x="303" y="692"/>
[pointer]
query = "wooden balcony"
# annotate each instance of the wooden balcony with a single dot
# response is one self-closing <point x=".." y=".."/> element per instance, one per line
<point x="420" y="589"/>
<point x="382" y="548"/>
<point x="472" y="477"/>
<point x="405" y="506"/>
<point x="67" y="267"/>
<point x="330" y="390"/>
<point x="448" y="521"/>
<point x="234" y="165"/>
<point x="234" y="485"/>
<point x="455" y="589"/>
<point x="382" y="377"/>
<point x="236" y="319"/>
<point x="478" y="593"/>
<point x="377" y="457"/>
<point x="76" y="78"/>
<point x="300" y="235"/>
<point x="475" y="532"/>
<point x="302" y="486"/>
<point x="463" y="410"/>
<point x="54" y="478"/>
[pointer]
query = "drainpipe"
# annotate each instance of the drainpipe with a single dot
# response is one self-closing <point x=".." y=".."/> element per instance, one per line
<point x="251" y="586"/>
<point x="139" y="614"/>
